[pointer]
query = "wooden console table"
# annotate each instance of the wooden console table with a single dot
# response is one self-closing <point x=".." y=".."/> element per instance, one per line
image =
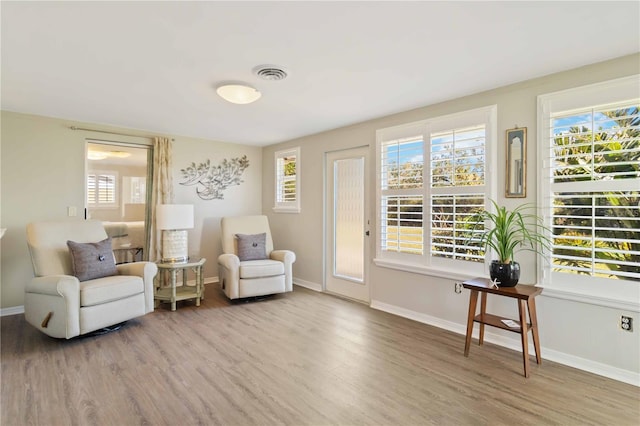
<point x="525" y="294"/>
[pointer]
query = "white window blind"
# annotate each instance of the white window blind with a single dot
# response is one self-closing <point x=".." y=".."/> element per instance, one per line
<point x="287" y="195"/>
<point x="424" y="206"/>
<point x="101" y="189"/>
<point x="450" y="226"/>
<point x="594" y="189"/>
<point x="401" y="201"/>
<point x="457" y="190"/>
<point x="287" y="179"/>
<point x="457" y="157"/>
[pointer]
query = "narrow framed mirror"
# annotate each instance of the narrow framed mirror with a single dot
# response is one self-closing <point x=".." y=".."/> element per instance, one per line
<point x="516" y="177"/>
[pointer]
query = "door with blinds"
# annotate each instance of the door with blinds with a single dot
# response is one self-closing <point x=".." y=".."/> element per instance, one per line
<point x="116" y="194"/>
<point x="347" y="226"/>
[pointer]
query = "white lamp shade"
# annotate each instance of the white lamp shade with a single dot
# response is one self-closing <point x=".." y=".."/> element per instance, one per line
<point x="174" y="216"/>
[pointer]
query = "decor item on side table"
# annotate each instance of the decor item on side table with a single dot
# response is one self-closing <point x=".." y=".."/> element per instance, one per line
<point x="506" y="231"/>
<point x="174" y="220"/>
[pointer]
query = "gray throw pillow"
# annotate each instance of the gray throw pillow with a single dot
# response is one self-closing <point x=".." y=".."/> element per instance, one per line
<point x="92" y="260"/>
<point x="252" y="247"/>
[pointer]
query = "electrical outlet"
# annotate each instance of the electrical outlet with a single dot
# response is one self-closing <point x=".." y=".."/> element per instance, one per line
<point x="626" y="323"/>
<point x="458" y="288"/>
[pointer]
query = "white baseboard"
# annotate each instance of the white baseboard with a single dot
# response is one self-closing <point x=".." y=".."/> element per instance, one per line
<point x="598" y="368"/>
<point x="207" y="280"/>
<point x="308" y="284"/>
<point x="420" y="317"/>
<point x="13" y="310"/>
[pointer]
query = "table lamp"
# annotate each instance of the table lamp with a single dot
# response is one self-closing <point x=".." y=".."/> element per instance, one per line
<point x="174" y="220"/>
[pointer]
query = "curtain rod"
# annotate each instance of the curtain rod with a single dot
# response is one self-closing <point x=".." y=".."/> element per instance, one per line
<point x="113" y="133"/>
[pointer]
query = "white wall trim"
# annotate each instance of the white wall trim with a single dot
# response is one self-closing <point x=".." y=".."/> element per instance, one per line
<point x="13" y="310"/>
<point x="605" y="370"/>
<point x="207" y="280"/>
<point x="308" y="284"/>
<point x="420" y="317"/>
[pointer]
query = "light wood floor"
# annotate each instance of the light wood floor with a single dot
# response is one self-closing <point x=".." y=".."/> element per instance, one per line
<point x="303" y="358"/>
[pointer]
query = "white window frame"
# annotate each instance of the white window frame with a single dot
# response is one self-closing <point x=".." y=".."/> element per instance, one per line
<point x="286" y="206"/>
<point x="426" y="264"/>
<point x="623" y="294"/>
<point x="116" y="188"/>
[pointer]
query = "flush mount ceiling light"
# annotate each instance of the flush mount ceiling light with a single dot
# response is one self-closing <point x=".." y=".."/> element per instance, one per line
<point x="238" y="93"/>
<point x="96" y="155"/>
<point x="101" y="155"/>
<point x="119" y="154"/>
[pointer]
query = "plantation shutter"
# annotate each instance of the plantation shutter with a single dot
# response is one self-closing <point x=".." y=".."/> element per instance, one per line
<point x="101" y="189"/>
<point x="594" y="173"/>
<point x="106" y="189"/>
<point x="401" y="177"/>
<point x="287" y="179"/>
<point x="457" y="165"/>
<point x="287" y="196"/>
<point x="91" y="189"/>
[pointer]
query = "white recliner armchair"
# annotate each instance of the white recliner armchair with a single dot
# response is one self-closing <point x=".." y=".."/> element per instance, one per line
<point x="250" y="266"/>
<point x="59" y="304"/>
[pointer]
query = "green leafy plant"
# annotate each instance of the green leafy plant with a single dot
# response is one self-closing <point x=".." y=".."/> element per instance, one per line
<point x="508" y="231"/>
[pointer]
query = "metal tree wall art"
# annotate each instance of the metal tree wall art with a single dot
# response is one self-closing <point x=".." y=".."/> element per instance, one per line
<point x="212" y="180"/>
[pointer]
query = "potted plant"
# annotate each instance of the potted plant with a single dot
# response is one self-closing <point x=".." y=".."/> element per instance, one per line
<point x="508" y="231"/>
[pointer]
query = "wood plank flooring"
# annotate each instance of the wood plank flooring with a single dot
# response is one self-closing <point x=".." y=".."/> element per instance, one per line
<point x="302" y="358"/>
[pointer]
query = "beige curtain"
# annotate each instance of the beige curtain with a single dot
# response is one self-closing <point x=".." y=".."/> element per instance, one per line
<point x="162" y="189"/>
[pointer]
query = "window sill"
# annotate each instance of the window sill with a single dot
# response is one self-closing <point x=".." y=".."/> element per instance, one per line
<point x="286" y="209"/>
<point x="424" y="270"/>
<point x="620" y="301"/>
<point x="103" y="206"/>
<point x="626" y="300"/>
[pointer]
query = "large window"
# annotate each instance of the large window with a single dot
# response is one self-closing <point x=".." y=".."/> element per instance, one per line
<point x="287" y="195"/>
<point x="423" y="206"/>
<point x="590" y="149"/>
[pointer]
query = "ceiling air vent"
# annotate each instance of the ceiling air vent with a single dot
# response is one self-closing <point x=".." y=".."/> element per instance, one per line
<point x="270" y="72"/>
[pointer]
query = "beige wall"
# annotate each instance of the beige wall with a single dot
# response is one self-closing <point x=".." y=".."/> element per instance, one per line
<point x="570" y="330"/>
<point x="43" y="170"/>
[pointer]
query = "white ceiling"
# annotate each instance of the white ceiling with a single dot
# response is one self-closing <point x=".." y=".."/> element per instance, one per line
<point x="154" y="65"/>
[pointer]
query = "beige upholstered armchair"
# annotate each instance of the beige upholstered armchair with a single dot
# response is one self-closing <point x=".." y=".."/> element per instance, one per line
<point x="77" y="287"/>
<point x="250" y="266"/>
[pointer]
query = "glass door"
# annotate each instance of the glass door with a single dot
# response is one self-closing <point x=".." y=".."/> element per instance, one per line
<point x="347" y="223"/>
